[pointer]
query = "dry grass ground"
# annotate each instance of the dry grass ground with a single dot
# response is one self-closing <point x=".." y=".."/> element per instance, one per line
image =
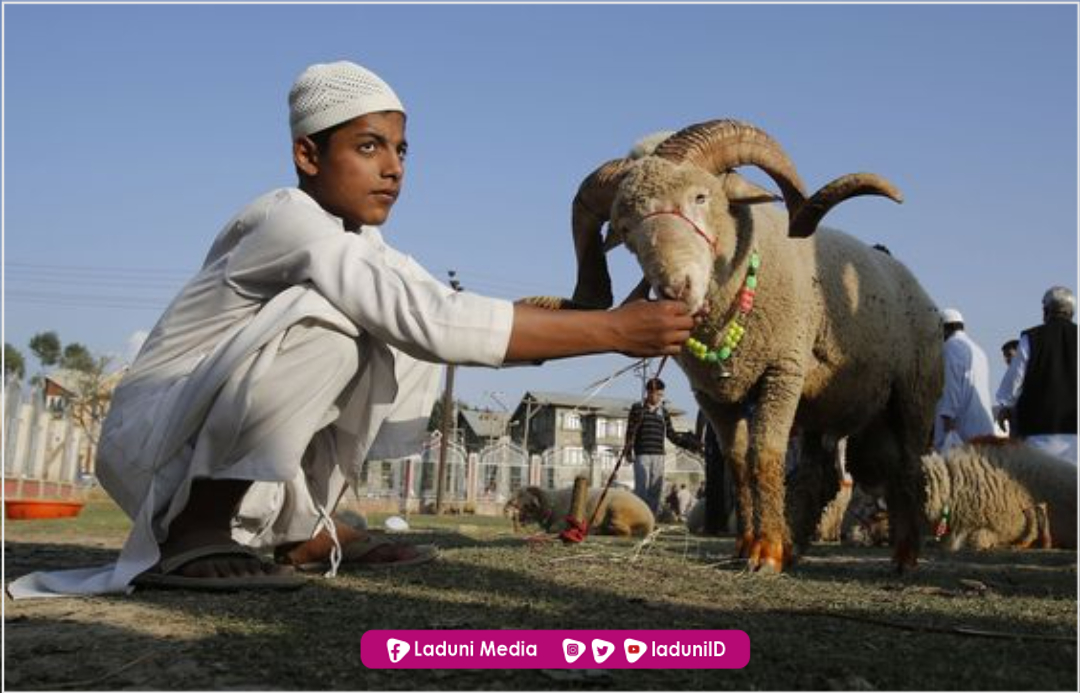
<point x="1001" y="620"/>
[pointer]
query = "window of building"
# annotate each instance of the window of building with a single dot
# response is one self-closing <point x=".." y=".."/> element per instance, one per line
<point x="572" y="421"/>
<point x="386" y="474"/>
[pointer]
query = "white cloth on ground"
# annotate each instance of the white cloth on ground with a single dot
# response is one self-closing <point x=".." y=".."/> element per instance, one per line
<point x="180" y="412"/>
<point x="1061" y="445"/>
<point x="966" y="397"/>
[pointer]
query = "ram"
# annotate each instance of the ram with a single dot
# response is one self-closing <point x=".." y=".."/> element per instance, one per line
<point x="815" y="330"/>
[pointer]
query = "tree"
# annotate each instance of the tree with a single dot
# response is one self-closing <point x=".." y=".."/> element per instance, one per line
<point x="91" y="399"/>
<point x="46" y="346"/>
<point x="14" y="364"/>
<point x="77" y="358"/>
<point x="435" y="420"/>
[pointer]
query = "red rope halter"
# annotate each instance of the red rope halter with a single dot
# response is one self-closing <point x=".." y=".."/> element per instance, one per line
<point x="678" y="213"/>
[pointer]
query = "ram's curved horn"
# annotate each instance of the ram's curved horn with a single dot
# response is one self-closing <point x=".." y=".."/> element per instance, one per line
<point x="811" y="213"/>
<point x="592" y="207"/>
<point x="721" y="145"/>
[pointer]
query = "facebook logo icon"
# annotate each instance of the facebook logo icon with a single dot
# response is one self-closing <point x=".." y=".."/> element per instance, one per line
<point x="396" y="649"/>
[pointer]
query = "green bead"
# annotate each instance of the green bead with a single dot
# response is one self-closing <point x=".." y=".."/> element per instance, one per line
<point x="751" y="282"/>
<point x="724" y="353"/>
<point x="755" y="261"/>
<point x="712" y="357"/>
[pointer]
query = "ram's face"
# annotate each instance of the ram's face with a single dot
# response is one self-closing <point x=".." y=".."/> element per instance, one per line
<point x="676" y="221"/>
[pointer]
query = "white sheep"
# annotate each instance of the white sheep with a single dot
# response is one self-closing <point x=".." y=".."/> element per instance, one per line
<point x="822" y="332"/>
<point x="622" y="514"/>
<point x="1001" y="493"/>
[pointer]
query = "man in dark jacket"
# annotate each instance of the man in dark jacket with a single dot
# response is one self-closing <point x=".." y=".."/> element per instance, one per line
<point x="649" y="425"/>
<point x="1039" y="389"/>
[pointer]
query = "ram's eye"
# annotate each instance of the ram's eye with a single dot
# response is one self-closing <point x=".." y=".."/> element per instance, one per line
<point x="701" y="199"/>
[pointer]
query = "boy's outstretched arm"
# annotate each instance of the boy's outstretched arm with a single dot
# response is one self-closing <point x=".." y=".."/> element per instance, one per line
<point x="641" y="328"/>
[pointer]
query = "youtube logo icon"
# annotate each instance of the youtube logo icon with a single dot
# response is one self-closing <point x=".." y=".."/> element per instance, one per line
<point x="634" y="649"/>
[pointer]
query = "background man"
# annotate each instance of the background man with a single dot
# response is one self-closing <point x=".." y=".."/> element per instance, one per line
<point x="1039" y="389"/>
<point x="648" y="426"/>
<point x="964" y="408"/>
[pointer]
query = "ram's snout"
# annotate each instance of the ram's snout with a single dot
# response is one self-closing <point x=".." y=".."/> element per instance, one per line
<point x="677" y="264"/>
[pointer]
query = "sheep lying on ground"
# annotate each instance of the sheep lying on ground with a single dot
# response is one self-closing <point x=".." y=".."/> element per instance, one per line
<point x="823" y="332"/>
<point x="1001" y="494"/>
<point x="623" y="514"/>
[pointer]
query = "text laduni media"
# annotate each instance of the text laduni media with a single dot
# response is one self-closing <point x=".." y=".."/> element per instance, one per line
<point x="488" y="648"/>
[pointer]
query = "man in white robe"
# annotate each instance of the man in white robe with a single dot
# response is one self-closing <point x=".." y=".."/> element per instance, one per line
<point x="303" y="345"/>
<point x="964" y="410"/>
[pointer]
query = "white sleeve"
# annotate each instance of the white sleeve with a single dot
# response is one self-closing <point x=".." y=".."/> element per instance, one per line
<point x="1013" y="382"/>
<point x="956" y="367"/>
<point x="383" y="291"/>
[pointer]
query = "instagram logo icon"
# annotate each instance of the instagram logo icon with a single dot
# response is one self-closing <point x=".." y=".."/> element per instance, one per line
<point x="396" y="649"/>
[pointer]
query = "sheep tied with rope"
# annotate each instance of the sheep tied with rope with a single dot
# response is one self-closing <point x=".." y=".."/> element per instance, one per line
<point x="817" y="330"/>
<point x="621" y="513"/>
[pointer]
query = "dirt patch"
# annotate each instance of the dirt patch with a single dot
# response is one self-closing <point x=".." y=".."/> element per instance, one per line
<point x="840" y="621"/>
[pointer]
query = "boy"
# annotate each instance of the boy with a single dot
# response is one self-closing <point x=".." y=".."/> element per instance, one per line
<point x="304" y="345"/>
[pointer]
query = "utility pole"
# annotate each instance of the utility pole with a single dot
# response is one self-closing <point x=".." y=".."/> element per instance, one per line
<point x="528" y="418"/>
<point x="447" y="421"/>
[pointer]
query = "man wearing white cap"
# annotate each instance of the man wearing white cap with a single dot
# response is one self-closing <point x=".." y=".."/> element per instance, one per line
<point x="1038" y="391"/>
<point x="963" y="412"/>
<point x="304" y="345"/>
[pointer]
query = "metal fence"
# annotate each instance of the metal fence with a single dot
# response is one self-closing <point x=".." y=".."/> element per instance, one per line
<point x="492" y="475"/>
<point x="502" y="468"/>
<point x="42" y="445"/>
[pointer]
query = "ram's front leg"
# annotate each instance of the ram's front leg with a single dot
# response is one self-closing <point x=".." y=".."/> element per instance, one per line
<point x="731" y="427"/>
<point x="770" y="428"/>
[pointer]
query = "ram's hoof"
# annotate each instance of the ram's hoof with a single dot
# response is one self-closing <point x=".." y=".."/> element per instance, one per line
<point x="769" y="557"/>
<point x="905" y="557"/>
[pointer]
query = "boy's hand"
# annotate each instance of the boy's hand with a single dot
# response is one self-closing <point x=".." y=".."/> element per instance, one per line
<point x="652" y="328"/>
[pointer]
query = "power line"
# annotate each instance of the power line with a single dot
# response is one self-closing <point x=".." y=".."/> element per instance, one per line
<point x="83" y="269"/>
<point x="85" y="300"/>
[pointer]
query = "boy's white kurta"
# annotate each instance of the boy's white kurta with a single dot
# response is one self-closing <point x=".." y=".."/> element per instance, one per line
<point x="233" y="381"/>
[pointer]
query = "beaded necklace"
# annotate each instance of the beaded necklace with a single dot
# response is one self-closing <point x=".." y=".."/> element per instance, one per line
<point x="942" y="527"/>
<point x="735" y="327"/>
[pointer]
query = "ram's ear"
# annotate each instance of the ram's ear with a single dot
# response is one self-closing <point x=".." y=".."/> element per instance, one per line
<point x="740" y="191"/>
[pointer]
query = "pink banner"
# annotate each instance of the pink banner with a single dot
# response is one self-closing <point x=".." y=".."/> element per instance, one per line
<point x="555" y="649"/>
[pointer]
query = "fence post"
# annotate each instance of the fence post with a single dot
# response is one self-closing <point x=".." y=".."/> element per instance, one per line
<point x="406" y="486"/>
<point x="13" y="427"/>
<point x="471" y="478"/>
<point x="39" y="429"/>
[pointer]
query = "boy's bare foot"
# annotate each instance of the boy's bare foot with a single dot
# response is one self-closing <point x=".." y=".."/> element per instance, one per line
<point x="318" y="548"/>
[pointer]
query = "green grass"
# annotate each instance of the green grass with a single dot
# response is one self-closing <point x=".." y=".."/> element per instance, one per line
<point x="1002" y="620"/>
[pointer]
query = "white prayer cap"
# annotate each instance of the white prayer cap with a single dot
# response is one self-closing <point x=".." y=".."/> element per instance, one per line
<point x="951" y="315"/>
<point x="325" y="95"/>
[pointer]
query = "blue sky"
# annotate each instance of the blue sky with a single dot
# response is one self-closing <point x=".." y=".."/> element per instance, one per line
<point x="132" y="133"/>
